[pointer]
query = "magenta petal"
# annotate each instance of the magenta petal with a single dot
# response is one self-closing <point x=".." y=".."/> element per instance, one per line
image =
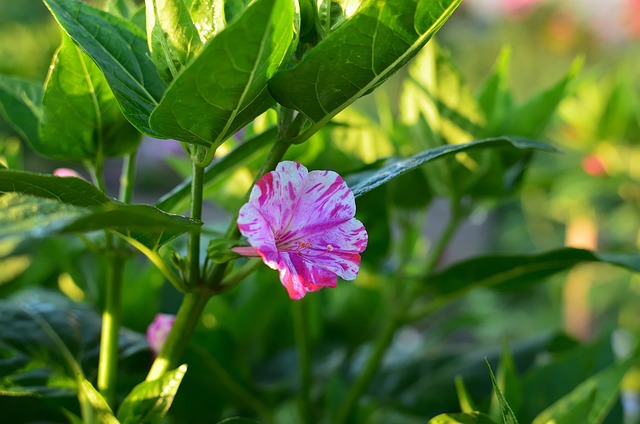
<point x="300" y="276"/>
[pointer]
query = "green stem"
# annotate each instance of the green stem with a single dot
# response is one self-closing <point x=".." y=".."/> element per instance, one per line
<point x="108" y="365"/>
<point x="192" y="306"/>
<point x="111" y="314"/>
<point x="197" y="186"/>
<point x="127" y="177"/>
<point x="301" y="334"/>
<point x="386" y="336"/>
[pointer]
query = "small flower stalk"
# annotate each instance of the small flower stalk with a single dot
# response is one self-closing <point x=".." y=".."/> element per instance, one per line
<point x="302" y="224"/>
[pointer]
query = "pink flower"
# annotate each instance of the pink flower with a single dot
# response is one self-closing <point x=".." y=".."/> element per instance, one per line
<point x="302" y="224"/>
<point x="158" y="330"/>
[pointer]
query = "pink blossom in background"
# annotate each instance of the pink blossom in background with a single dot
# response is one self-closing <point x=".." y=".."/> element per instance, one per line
<point x="158" y="330"/>
<point x="66" y="172"/>
<point x="302" y="224"/>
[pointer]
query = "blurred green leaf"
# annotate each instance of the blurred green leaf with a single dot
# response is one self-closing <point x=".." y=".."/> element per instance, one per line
<point x="462" y="418"/>
<point x="227" y="82"/>
<point x="466" y="402"/>
<point x="172" y="36"/>
<point x="149" y="401"/>
<point x="37" y="206"/>
<point x="358" y="56"/>
<point x="123" y="8"/>
<point x="369" y="180"/>
<point x="515" y="272"/>
<point x="595" y="396"/>
<point x="564" y="370"/>
<point x="508" y="417"/>
<point x="21" y="106"/>
<point x="532" y="118"/>
<point x="120" y="50"/>
<point x="238" y="420"/>
<point x="80" y="117"/>
<point x="494" y="97"/>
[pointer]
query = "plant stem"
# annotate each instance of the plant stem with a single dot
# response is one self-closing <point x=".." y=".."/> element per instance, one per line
<point x="301" y="334"/>
<point x="127" y="177"/>
<point x="197" y="185"/>
<point x="386" y="336"/>
<point x="108" y="363"/>
<point x="177" y="341"/>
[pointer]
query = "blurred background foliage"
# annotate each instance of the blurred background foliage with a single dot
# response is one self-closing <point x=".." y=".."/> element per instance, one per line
<point x="588" y="196"/>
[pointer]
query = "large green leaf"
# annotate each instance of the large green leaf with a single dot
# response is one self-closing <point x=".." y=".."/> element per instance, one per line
<point x="367" y="181"/>
<point x="592" y="399"/>
<point x="37" y="206"/>
<point x="358" y="56"/>
<point x="208" y="17"/>
<point x="120" y="50"/>
<point x="21" y="106"/>
<point x="172" y="36"/>
<point x="149" y="401"/>
<point x="80" y="117"/>
<point x="225" y="87"/>
<point x="514" y="272"/>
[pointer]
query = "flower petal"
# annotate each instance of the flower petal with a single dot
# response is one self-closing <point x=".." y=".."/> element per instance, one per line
<point x="325" y="202"/>
<point x="276" y="194"/>
<point x="300" y="276"/>
<point x="256" y="229"/>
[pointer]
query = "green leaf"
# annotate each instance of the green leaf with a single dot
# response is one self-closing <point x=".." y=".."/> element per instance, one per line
<point x="595" y="397"/>
<point x="149" y="401"/>
<point x="532" y="118"/>
<point x="21" y="106"/>
<point x="94" y="407"/>
<point x="172" y="36"/>
<point x="369" y="180"/>
<point x="208" y="17"/>
<point x="514" y="272"/>
<point x="120" y="50"/>
<point x="37" y="206"/>
<point x="80" y="117"/>
<point x="508" y="417"/>
<point x="509" y="382"/>
<point x="494" y="97"/>
<point x="178" y="198"/>
<point x="358" y="56"/>
<point x="462" y="418"/>
<point x="225" y="87"/>
<point x="464" y="398"/>
<point x="238" y="420"/>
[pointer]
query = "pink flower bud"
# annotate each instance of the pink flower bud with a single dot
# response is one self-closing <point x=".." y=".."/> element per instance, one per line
<point x="158" y="330"/>
<point x="66" y="172"/>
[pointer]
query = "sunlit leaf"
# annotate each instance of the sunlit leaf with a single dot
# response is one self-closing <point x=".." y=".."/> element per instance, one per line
<point x="172" y="36"/>
<point x="149" y="401"/>
<point x="120" y="50"/>
<point x="358" y="56"/>
<point x="225" y="87"/>
<point x="80" y="117"/>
